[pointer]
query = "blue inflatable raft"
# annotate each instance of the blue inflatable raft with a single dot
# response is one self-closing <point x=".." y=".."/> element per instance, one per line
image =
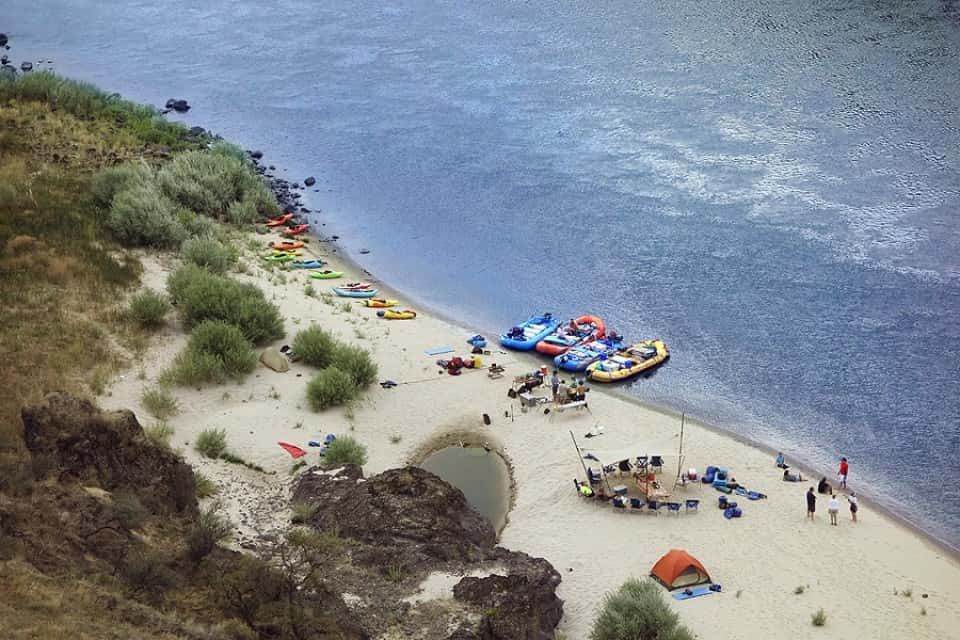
<point x="527" y="334"/>
<point x="582" y="356"/>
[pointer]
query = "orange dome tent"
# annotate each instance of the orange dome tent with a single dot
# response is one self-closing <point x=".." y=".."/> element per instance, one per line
<point x="679" y="569"/>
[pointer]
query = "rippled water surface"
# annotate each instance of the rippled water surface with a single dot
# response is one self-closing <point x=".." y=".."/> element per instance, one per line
<point x="771" y="187"/>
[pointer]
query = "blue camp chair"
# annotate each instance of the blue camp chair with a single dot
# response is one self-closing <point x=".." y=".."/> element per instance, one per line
<point x="637" y="504"/>
<point x="653" y="507"/>
<point x="693" y="505"/>
<point x="673" y="507"/>
<point x="656" y="462"/>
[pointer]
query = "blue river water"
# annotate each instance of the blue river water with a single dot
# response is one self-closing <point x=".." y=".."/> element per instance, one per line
<point x="773" y="188"/>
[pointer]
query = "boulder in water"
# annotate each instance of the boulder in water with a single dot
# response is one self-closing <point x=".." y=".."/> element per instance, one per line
<point x="3" y="39"/>
<point x="310" y="181"/>
<point x="275" y="360"/>
<point x="256" y="155"/>
<point x="26" y="66"/>
<point x="180" y="106"/>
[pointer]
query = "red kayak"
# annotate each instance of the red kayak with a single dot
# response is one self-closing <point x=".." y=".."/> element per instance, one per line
<point x="292" y="231"/>
<point x="279" y="222"/>
<point x="356" y="286"/>
<point x="570" y="334"/>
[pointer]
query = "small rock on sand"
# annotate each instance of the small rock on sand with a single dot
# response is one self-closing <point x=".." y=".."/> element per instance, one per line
<point x="275" y="360"/>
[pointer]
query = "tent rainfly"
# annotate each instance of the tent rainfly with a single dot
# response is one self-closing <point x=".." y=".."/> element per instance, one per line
<point x="678" y="569"/>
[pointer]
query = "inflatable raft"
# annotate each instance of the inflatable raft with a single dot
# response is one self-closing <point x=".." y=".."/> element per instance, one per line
<point x="379" y="302"/>
<point x="582" y="356"/>
<point x="527" y="334"/>
<point x="569" y="334"/>
<point x="292" y="231"/>
<point x="282" y="220"/>
<point x="326" y="275"/>
<point x="628" y="362"/>
<point x="306" y="264"/>
<point x="390" y="314"/>
<point x="345" y="292"/>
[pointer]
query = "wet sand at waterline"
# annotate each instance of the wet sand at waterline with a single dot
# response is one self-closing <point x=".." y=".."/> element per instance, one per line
<point x="851" y="571"/>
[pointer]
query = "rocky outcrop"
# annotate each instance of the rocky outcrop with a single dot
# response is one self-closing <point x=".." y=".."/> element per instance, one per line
<point x="178" y="105"/>
<point x="72" y="441"/>
<point x="412" y="520"/>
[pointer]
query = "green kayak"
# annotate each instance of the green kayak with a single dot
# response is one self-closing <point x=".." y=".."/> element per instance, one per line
<point x="326" y="274"/>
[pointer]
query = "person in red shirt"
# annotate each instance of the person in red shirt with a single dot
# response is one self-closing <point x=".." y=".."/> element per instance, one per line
<point x="842" y="474"/>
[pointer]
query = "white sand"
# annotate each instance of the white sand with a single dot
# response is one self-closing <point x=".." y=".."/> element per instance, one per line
<point x="851" y="571"/>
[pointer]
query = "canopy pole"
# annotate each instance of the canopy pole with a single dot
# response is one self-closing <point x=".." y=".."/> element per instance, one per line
<point x="580" y="455"/>
<point x="683" y="417"/>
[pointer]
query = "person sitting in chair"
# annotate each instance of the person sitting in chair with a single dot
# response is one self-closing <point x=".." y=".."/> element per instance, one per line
<point x="824" y="487"/>
<point x="780" y="461"/>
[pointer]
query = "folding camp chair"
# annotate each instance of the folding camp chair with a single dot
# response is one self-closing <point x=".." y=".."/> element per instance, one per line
<point x="673" y="507"/>
<point x="653" y="506"/>
<point x="693" y="505"/>
<point x="636" y="504"/>
<point x="624" y="466"/>
<point x="594" y="476"/>
<point x="656" y="462"/>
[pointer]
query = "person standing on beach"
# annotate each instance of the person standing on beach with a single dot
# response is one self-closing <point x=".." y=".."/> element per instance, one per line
<point x="555" y="384"/>
<point x="842" y="473"/>
<point x="561" y="392"/>
<point x="852" y="499"/>
<point x="833" y="508"/>
<point x="811" y="503"/>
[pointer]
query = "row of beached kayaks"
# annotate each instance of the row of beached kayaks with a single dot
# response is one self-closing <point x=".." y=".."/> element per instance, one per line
<point x="584" y="345"/>
<point x="288" y="252"/>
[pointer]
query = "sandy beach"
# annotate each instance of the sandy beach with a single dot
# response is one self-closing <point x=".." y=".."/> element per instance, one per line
<point x="852" y="571"/>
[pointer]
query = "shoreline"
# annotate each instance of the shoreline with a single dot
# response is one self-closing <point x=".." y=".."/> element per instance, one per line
<point x="351" y="263"/>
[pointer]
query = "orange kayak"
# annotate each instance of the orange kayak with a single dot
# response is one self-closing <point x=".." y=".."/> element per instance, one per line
<point x="292" y="231"/>
<point x="282" y="220"/>
<point x="286" y="246"/>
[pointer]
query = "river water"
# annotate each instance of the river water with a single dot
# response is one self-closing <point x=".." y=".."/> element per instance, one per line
<point x="770" y="187"/>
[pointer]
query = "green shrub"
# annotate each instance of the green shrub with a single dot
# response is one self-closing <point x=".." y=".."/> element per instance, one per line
<point x="129" y="511"/>
<point x="211" y="529"/>
<point x="147" y="572"/>
<point x="211" y="443"/>
<point x="302" y="512"/>
<point x="160" y="403"/>
<point x="201" y="295"/>
<point x="345" y="450"/>
<point x="211" y="183"/>
<point x="818" y="618"/>
<point x="329" y="388"/>
<point x="222" y="147"/>
<point x="315" y="346"/>
<point x="142" y="216"/>
<point x="148" y="309"/>
<point x="205" y="486"/>
<point x="160" y="434"/>
<point x="637" y="611"/>
<point x="243" y="212"/>
<point x="209" y="253"/>
<point x="215" y="352"/>
<point x="195" y="226"/>
<point x="357" y="362"/>
<point x="108" y="182"/>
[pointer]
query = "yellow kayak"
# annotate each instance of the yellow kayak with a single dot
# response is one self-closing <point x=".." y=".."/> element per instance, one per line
<point x="379" y="302"/>
<point x="629" y="362"/>
<point x="390" y="314"/>
<point x="291" y="252"/>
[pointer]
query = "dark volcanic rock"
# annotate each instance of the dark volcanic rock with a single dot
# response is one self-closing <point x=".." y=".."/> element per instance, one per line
<point x="256" y="155"/>
<point x="180" y="106"/>
<point x="26" y="66"/>
<point x="197" y="132"/>
<point x="399" y="507"/>
<point x="310" y="181"/>
<point x="71" y="440"/>
<point x="520" y="606"/>
<point x="3" y="39"/>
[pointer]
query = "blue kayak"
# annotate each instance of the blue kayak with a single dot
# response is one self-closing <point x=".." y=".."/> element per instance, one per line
<point x="527" y="334"/>
<point x="582" y="356"/>
<point x="306" y="264"/>
<point x="354" y="293"/>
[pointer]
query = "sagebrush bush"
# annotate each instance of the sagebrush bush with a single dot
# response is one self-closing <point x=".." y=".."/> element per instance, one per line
<point x="160" y="402"/>
<point x="108" y="182"/>
<point x="356" y="362"/>
<point x="225" y="148"/>
<point x="201" y="296"/>
<point x="209" y="183"/>
<point x="215" y="352"/>
<point x="818" y="618"/>
<point x="345" y="450"/>
<point x="195" y="226"/>
<point x="148" y="309"/>
<point x="147" y="572"/>
<point x="209" y="253"/>
<point x="243" y="212"/>
<point x="159" y="434"/>
<point x="329" y="388"/>
<point x="211" y="529"/>
<point x="211" y="443"/>
<point x="129" y="511"/>
<point x="205" y="486"/>
<point x="637" y="611"/>
<point x="142" y="216"/>
<point x="315" y="346"/>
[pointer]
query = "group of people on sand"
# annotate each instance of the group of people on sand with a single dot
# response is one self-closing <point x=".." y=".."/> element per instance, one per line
<point x="823" y="487"/>
<point x="563" y="393"/>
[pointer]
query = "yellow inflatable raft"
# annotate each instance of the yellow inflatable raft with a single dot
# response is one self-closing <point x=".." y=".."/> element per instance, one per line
<point x="390" y="314"/>
<point x="629" y="362"/>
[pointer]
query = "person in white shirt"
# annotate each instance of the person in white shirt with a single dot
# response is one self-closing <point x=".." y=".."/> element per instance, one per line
<point x="852" y="499"/>
<point x="833" y="508"/>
